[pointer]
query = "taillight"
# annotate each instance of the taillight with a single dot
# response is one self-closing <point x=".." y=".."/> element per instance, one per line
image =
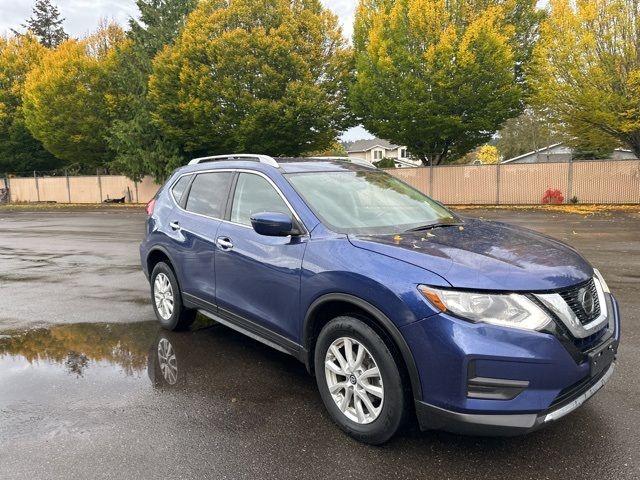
<point x="150" y="206"/>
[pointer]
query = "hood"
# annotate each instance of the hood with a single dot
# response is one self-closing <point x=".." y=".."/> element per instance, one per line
<point x="484" y="255"/>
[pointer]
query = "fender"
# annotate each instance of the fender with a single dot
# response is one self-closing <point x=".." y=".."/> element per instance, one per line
<point x="384" y="321"/>
<point x="160" y="248"/>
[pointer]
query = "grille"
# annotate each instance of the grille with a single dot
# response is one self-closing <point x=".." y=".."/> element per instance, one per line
<point x="574" y="298"/>
<point x="591" y="341"/>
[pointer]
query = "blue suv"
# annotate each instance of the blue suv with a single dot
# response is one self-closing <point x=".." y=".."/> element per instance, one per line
<point x="399" y="307"/>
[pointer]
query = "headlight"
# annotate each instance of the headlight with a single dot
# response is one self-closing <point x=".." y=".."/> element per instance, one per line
<point x="605" y="287"/>
<point x="508" y="310"/>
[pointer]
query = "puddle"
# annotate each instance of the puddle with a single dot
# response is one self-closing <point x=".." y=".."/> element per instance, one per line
<point x="112" y="363"/>
<point x="79" y="348"/>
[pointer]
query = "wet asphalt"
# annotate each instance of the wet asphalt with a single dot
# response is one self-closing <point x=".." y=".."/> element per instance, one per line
<point x="82" y="395"/>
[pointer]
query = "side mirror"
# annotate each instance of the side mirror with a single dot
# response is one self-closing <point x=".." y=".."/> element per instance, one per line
<point x="272" y="224"/>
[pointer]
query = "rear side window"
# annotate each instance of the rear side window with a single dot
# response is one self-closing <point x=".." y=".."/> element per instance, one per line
<point x="254" y="195"/>
<point x="208" y="194"/>
<point x="179" y="187"/>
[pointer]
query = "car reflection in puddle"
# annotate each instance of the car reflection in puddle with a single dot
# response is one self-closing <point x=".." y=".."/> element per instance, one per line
<point x="74" y="378"/>
<point x="224" y="365"/>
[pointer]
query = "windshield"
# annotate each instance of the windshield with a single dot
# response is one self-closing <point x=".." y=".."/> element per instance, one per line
<point x="367" y="202"/>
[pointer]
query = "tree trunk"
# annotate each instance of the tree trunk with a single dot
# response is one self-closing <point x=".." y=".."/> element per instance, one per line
<point x="436" y="157"/>
<point x="634" y="143"/>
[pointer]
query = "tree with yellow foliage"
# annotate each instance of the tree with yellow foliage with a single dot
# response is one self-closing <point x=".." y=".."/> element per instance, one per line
<point x="440" y="76"/>
<point x="269" y="76"/>
<point x="586" y="69"/>
<point x="19" y="150"/>
<point x="66" y="98"/>
<point x="488" y="154"/>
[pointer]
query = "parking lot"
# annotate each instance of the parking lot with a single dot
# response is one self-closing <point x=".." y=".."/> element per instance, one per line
<point x="81" y="397"/>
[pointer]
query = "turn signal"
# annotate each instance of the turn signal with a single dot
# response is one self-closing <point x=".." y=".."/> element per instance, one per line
<point x="433" y="297"/>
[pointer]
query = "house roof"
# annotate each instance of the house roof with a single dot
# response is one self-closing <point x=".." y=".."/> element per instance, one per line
<point x="549" y="147"/>
<point x="366" y="145"/>
<point x="533" y="152"/>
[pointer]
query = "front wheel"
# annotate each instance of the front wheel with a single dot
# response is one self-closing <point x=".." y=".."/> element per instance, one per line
<point x="167" y="300"/>
<point x="359" y="380"/>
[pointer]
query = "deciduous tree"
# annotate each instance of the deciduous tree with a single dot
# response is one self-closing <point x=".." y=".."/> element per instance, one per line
<point x="263" y="76"/>
<point x="586" y="69"/>
<point x="66" y="99"/>
<point x="488" y="154"/>
<point x="19" y="150"/>
<point x="532" y="130"/>
<point x="440" y="76"/>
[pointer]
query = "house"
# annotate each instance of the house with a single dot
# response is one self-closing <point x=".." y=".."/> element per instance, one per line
<point x="561" y="152"/>
<point x="376" y="149"/>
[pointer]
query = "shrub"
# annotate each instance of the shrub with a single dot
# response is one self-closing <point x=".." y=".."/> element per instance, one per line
<point x="574" y="200"/>
<point x="553" y="196"/>
<point x="385" y="163"/>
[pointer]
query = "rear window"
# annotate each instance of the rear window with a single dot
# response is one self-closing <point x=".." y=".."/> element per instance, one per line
<point x="208" y="194"/>
<point x="179" y="187"/>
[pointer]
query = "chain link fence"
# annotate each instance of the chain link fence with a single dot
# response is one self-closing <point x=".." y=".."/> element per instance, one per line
<point x="597" y="181"/>
<point x="588" y="181"/>
<point x="53" y="187"/>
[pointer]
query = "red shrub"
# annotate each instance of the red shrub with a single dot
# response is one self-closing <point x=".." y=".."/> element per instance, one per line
<point x="553" y="196"/>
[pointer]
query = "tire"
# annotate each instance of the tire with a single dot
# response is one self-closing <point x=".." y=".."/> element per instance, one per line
<point x="369" y="425"/>
<point x="170" y="310"/>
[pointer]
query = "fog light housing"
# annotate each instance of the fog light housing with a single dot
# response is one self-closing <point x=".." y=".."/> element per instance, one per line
<point x="486" y="388"/>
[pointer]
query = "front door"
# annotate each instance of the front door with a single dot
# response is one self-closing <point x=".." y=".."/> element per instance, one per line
<point x="258" y="277"/>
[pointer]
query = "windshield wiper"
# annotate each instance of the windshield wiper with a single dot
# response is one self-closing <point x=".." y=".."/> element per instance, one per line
<point x="431" y="226"/>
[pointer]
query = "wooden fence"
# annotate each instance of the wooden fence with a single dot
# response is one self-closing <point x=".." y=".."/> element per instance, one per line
<point x="609" y="181"/>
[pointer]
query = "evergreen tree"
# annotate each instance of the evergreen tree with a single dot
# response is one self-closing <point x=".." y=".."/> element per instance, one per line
<point x="139" y="146"/>
<point x="46" y="24"/>
<point x="160" y="23"/>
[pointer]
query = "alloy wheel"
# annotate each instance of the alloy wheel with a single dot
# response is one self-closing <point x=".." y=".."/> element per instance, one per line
<point x="354" y="380"/>
<point x="163" y="296"/>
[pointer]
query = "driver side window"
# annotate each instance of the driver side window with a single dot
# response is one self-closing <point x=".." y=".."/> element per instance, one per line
<point x="254" y="194"/>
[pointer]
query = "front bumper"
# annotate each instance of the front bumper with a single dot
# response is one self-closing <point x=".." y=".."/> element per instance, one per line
<point x="449" y="352"/>
<point x="432" y="417"/>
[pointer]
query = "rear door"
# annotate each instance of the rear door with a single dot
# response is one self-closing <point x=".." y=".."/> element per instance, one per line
<point x="194" y="224"/>
<point x="258" y="277"/>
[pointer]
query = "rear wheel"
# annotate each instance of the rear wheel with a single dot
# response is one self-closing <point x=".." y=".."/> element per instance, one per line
<point x="359" y="380"/>
<point x="167" y="299"/>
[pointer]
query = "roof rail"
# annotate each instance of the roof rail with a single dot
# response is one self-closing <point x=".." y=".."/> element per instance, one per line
<point x="237" y="156"/>
<point x="357" y="161"/>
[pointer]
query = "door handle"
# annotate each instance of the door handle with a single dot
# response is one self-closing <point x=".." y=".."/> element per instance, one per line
<point x="224" y="243"/>
<point x="175" y="226"/>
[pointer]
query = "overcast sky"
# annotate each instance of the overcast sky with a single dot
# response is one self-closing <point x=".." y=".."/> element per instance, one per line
<point x="82" y="16"/>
